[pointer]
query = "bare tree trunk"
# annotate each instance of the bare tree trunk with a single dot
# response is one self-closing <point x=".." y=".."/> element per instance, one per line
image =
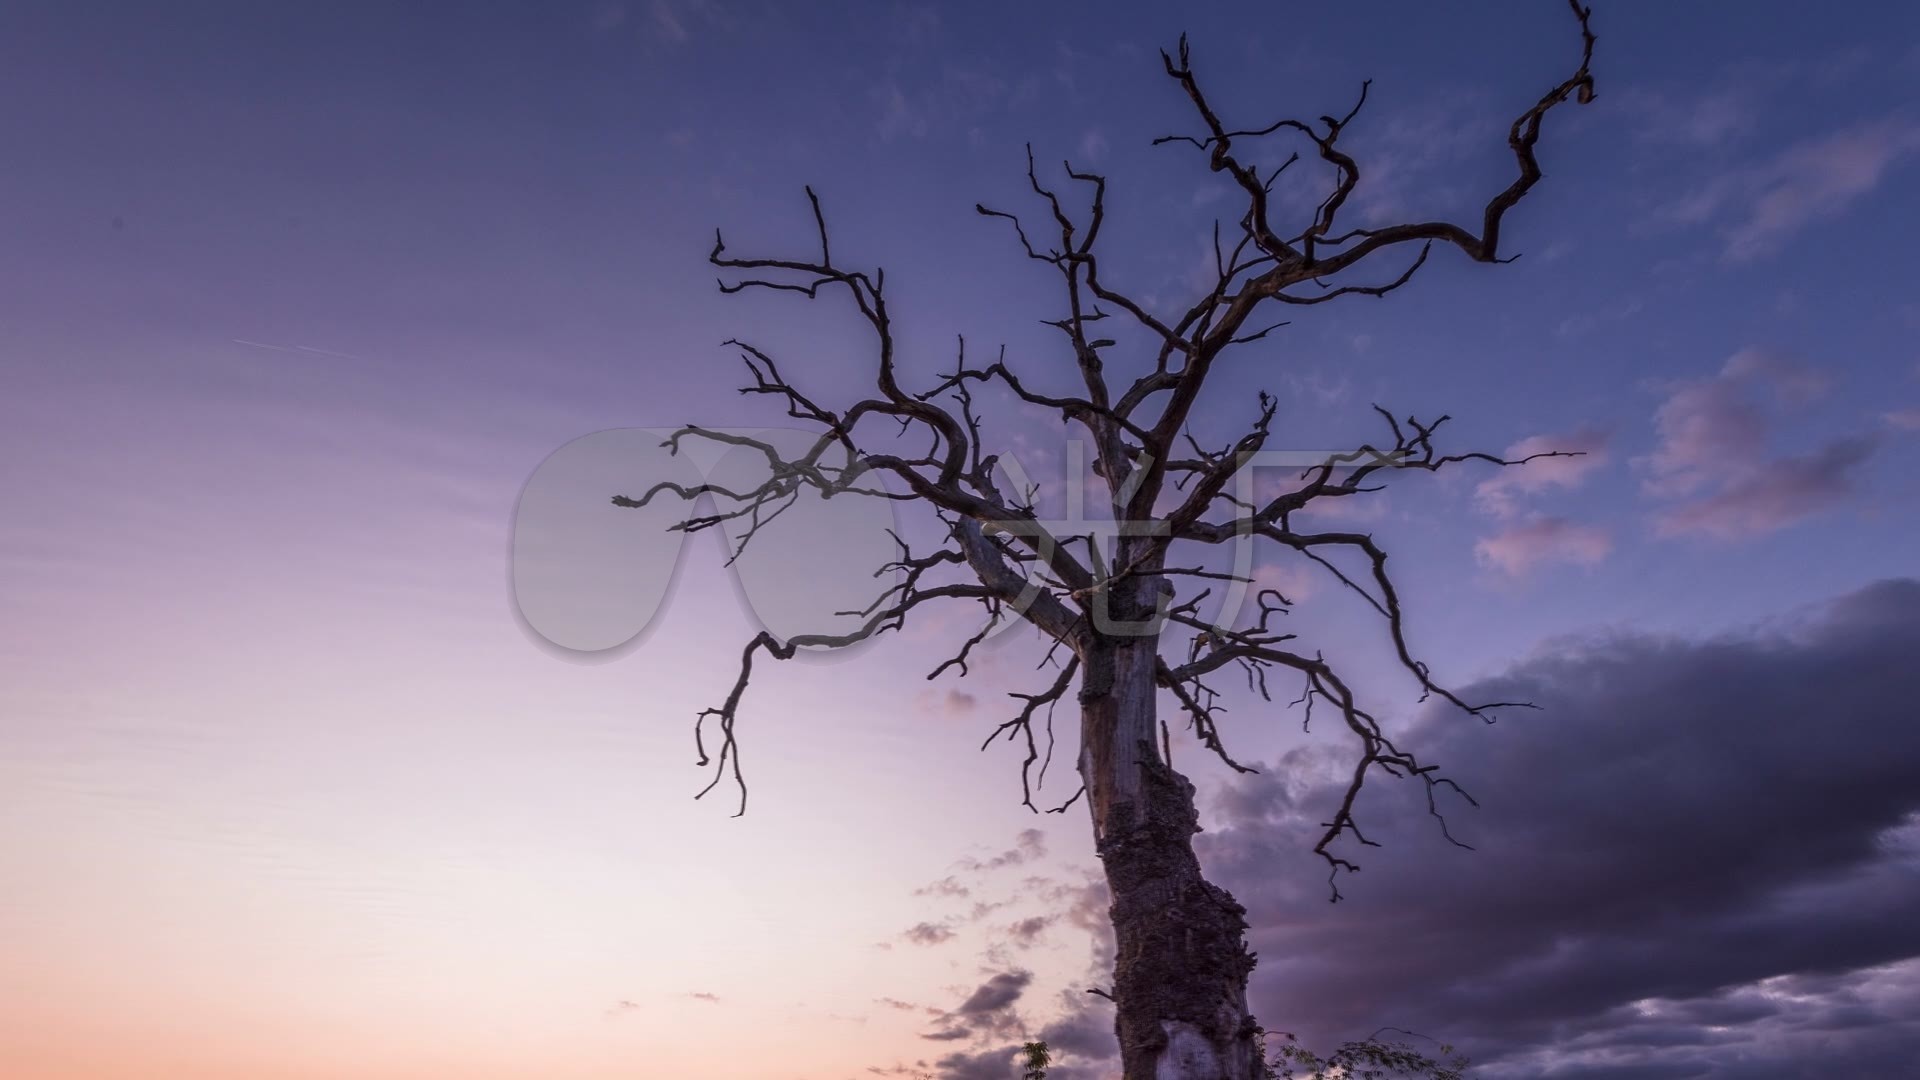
<point x="1180" y="974"/>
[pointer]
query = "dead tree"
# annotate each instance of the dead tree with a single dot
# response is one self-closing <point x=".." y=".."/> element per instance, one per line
<point x="1110" y="608"/>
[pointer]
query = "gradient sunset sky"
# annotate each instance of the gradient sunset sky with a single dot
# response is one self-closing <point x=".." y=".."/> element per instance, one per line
<point x="296" y="297"/>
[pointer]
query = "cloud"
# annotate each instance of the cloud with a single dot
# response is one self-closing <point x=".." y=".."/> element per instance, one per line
<point x="1712" y="448"/>
<point x="1086" y="1032"/>
<point x="994" y="1064"/>
<point x="1412" y="158"/>
<point x="667" y="21"/>
<point x="1759" y="207"/>
<point x="1087" y="905"/>
<point x="1793" y="383"/>
<point x="702" y="995"/>
<point x="953" y="701"/>
<point x="307" y="349"/>
<point x="1782" y="492"/>
<point x="1726" y="106"/>
<point x="1699" y="858"/>
<point x="983" y="908"/>
<point x="997" y="993"/>
<point x="987" y="1014"/>
<point x="927" y="933"/>
<point x="946" y="886"/>
<point x="1707" y="428"/>
<point x="1587" y="322"/>
<point x="898" y="115"/>
<point x="1702" y="121"/>
<point x="1520" y="549"/>
<point x="1031" y="844"/>
<point x="1316" y="386"/>
<point x="1904" y="419"/>
<point x="1003" y="1011"/>
<point x="1295" y="581"/>
<point x="917" y="99"/>
<point x="1498" y="494"/>
<point x="1291" y="580"/>
<point x="1028" y="932"/>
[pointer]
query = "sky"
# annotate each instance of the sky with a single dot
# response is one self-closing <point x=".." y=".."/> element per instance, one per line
<point x="300" y="304"/>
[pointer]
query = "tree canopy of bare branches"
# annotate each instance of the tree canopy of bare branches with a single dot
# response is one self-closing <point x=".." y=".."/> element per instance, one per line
<point x="1121" y="614"/>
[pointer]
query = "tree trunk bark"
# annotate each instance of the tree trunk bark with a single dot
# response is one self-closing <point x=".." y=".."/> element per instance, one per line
<point x="1180" y="972"/>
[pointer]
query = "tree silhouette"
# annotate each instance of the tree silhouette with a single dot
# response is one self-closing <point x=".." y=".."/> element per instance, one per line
<point x="1109" y="604"/>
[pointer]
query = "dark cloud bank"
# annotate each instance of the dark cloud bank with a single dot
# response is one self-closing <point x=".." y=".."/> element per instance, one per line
<point x="1699" y="859"/>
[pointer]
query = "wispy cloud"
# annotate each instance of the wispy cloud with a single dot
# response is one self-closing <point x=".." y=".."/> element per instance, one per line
<point x="298" y="349"/>
<point x="946" y="886"/>
<point x="1412" y="155"/>
<point x="953" y="702"/>
<point x="1758" y="207"/>
<point x="1317" y="386"/>
<point x="912" y="105"/>
<point x="1520" y="549"/>
<point x="1031" y="845"/>
<point x="1729" y="105"/>
<point x="1699" y="120"/>
<point x="1903" y="419"/>
<point x="667" y="21"/>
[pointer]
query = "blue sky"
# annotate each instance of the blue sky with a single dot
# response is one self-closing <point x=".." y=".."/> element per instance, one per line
<point x="299" y="296"/>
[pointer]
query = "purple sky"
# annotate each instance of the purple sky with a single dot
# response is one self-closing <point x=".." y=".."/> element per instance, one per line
<point x="298" y="297"/>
